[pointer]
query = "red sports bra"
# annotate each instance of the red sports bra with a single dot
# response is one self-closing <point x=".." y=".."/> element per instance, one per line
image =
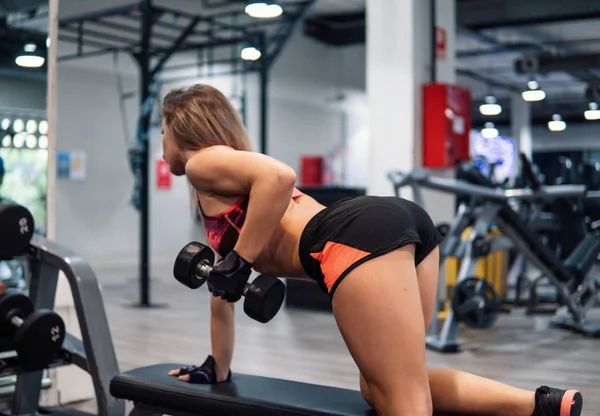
<point x="223" y="230"/>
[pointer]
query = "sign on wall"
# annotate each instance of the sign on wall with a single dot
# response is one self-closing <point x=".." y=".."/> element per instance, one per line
<point x="441" y="41"/>
<point x="71" y="165"/>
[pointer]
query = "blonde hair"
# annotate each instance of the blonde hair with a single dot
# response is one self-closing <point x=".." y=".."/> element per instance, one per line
<point x="201" y="116"/>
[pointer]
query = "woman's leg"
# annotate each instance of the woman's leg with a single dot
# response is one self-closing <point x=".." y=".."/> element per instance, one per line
<point x="457" y="392"/>
<point x="378" y="310"/>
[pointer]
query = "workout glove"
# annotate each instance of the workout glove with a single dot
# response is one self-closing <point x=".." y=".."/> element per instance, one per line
<point x="229" y="277"/>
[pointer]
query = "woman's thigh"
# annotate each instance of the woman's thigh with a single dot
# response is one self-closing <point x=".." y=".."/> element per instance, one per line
<point x="379" y="312"/>
<point x="427" y="276"/>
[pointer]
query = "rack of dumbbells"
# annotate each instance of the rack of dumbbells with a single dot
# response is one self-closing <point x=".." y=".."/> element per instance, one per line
<point x="33" y="336"/>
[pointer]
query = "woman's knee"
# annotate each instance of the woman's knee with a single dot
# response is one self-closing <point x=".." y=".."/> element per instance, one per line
<point x="364" y="390"/>
<point x="392" y="402"/>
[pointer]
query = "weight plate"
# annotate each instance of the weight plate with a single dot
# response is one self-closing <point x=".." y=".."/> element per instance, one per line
<point x="475" y="303"/>
<point x="16" y="229"/>
<point x="187" y="261"/>
<point x="39" y="340"/>
<point x="12" y="303"/>
<point x="264" y="298"/>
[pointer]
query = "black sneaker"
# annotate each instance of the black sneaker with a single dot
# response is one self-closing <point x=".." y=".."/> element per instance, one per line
<point x="555" y="402"/>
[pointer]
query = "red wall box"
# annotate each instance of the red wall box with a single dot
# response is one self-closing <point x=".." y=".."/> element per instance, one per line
<point x="446" y="125"/>
<point x="311" y="170"/>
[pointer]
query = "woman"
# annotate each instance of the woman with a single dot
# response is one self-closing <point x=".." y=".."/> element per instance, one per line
<point x="377" y="257"/>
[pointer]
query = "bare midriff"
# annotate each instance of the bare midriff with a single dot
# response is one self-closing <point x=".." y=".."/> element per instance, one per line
<point x="280" y="256"/>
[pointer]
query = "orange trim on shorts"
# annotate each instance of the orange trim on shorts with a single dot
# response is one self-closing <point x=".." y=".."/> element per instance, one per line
<point x="335" y="260"/>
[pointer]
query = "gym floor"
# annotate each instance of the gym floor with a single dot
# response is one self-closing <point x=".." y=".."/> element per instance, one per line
<point x="306" y="346"/>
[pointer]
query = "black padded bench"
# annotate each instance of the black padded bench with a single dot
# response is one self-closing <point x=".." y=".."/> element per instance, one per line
<point x="153" y="391"/>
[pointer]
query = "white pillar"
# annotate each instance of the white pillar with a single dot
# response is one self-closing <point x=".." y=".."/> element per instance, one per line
<point x="399" y="54"/>
<point x="391" y="90"/>
<point x="520" y="120"/>
<point x="445" y="16"/>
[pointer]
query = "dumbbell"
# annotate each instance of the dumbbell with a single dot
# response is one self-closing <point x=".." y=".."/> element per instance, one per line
<point x="16" y="230"/>
<point x="263" y="297"/>
<point x="37" y="335"/>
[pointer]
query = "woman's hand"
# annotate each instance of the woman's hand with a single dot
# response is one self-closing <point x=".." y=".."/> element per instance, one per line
<point x="268" y="182"/>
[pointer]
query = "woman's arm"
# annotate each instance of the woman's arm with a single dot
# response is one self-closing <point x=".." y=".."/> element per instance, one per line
<point x="268" y="182"/>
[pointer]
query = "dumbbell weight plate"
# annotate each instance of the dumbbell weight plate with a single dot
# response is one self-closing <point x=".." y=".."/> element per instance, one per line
<point x="39" y="340"/>
<point x="11" y="302"/>
<point x="16" y="229"/>
<point x="264" y="298"/>
<point x="475" y="303"/>
<point x="187" y="261"/>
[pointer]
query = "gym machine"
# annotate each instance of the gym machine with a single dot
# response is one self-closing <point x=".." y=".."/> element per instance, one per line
<point x="474" y="301"/>
<point x="32" y="335"/>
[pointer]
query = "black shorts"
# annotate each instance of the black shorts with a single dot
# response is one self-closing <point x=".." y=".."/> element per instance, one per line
<point x="355" y="230"/>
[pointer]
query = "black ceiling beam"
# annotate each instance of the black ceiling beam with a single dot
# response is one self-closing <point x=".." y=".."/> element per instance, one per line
<point x="120" y="10"/>
<point x="92" y="43"/>
<point x="96" y="35"/>
<point x="175" y="46"/>
<point x="130" y="29"/>
<point x="210" y="20"/>
<point x="337" y="29"/>
<point x="557" y="18"/>
<point x="488" y="81"/>
<point x="99" y="52"/>
<point x="281" y="37"/>
<point x="543" y="64"/>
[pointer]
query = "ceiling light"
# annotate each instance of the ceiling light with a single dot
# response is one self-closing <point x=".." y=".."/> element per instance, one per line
<point x="534" y="93"/>
<point x="250" y="53"/>
<point x="43" y="127"/>
<point x="489" y="131"/>
<point x="31" y="141"/>
<point x="43" y="142"/>
<point x="593" y="113"/>
<point x="18" y="125"/>
<point x="5" y="124"/>
<point x="490" y="108"/>
<point x="29" y="61"/>
<point x="6" y="141"/>
<point x="557" y="124"/>
<point x="31" y="126"/>
<point x="30" y="47"/>
<point x="19" y="140"/>
<point x="264" y="9"/>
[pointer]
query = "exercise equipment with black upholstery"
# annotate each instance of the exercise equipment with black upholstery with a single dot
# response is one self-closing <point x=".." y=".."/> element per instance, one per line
<point x="263" y="296"/>
<point x="16" y="230"/>
<point x="475" y="303"/>
<point x="38" y="335"/>
<point x="153" y="392"/>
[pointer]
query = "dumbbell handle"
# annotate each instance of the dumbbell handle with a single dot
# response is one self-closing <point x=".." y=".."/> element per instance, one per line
<point x="16" y="321"/>
<point x="203" y="270"/>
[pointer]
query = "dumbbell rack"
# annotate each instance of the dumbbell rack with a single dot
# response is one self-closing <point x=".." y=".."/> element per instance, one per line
<point x="94" y="353"/>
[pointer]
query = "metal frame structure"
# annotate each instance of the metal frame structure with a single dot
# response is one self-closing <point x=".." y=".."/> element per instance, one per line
<point x="152" y="35"/>
<point x="488" y="206"/>
<point x="94" y="353"/>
